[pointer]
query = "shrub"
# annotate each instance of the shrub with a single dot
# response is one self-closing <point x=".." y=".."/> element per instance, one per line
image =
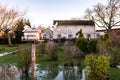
<point x="63" y="39"/>
<point x="80" y="34"/>
<point x="102" y="47"/>
<point x="41" y="49"/>
<point x="71" y="53"/>
<point x="92" y="46"/>
<point x="106" y="36"/>
<point x="81" y="43"/>
<point x="24" y="60"/>
<point x="98" y="66"/>
<point x="45" y="40"/>
<point x="68" y="43"/>
<point x="113" y="47"/>
<point x="52" y="50"/>
<point x="115" y="59"/>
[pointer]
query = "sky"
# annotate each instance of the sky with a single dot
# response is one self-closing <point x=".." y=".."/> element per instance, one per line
<point x="43" y="12"/>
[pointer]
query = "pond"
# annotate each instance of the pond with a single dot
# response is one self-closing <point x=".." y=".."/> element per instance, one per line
<point x="44" y="72"/>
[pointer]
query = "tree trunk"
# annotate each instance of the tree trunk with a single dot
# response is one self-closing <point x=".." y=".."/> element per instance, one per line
<point x="9" y="39"/>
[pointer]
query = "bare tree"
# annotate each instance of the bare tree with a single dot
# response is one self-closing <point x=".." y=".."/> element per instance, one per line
<point x="7" y="18"/>
<point x="106" y="16"/>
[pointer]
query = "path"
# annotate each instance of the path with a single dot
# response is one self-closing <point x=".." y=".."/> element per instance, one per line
<point x="6" y="53"/>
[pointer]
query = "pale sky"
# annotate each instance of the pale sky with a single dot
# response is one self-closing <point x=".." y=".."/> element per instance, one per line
<point x="43" y="12"/>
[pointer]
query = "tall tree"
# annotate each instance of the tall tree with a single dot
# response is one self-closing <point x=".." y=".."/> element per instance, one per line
<point x="7" y="18"/>
<point x="19" y="28"/>
<point x="80" y="34"/>
<point x="106" y="16"/>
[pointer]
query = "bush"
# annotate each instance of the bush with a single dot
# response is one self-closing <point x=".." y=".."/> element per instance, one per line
<point x="92" y="46"/>
<point x="115" y="59"/>
<point x="52" y="50"/>
<point x="68" y="43"/>
<point x="3" y="41"/>
<point x="24" y="59"/>
<point x="45" y="40"/>
<point x="71" y="53"/>
<point x="99" y="66"/>
<point x="105" y="37"/>
<point x="41" y="49"/>
<point x="113" y="47"/>
<point x="63" y="39"/>
<point x="102" y="47"/>
<point x="81" y="43"/>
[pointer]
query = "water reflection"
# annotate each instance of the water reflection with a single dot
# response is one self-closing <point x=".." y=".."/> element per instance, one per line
<point x="44" y="72"/>
<point x="9" y="72"/>
<point x="56" y="72"/>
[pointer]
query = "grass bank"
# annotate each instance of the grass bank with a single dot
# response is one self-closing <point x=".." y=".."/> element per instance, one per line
<point x="6" y="48"/>
<point x="114" y="73"/>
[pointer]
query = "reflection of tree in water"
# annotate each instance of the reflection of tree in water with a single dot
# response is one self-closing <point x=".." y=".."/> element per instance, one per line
<point x="51" y="71"/>
<point x="71" y="73"/>
<point x="9" y="72"/>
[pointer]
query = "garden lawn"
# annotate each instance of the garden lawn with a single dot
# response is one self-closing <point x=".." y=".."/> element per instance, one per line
<point x="114" y="73"/>
<point x="6" y="48"/>
<point x="9" y="59"/>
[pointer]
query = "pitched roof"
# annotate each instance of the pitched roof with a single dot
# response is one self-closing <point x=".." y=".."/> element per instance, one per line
<point x="74" y="22"/>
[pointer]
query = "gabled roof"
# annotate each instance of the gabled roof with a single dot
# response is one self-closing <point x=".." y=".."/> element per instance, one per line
<point x="74" y="22"/>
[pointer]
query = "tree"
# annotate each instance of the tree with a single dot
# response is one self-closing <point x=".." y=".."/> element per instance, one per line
<point x="106" y="16"/>
<point x="7" y="18"/>
<point x="80" y="34"/>
<point x="19" y="28"/>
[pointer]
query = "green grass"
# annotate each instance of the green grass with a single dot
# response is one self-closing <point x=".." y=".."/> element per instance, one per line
<point x="43" y="59"/>
<point x="6" y="48"/>
<point x="114" y="73"/>
<point x="9" y="59"/>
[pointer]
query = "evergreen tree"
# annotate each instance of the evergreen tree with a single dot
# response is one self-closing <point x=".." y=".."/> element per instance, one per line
<point x="80" y="34"/>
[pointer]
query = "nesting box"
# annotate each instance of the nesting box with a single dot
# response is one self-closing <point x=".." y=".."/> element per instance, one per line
<point x="31" y="34"/>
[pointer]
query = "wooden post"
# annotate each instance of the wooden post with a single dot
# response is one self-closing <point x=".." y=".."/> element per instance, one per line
<point x="33" y="55"/>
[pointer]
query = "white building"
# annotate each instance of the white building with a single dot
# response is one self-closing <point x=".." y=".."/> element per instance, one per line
<point x="47" y="33"/>
<point x="69" y="28"/>
<point x="31" y="34"/>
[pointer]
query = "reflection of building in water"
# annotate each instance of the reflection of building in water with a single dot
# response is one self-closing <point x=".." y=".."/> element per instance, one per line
<point x="10" y="72"/>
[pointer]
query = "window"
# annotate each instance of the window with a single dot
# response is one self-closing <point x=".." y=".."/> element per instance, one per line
<point x="69" y="36"/>
<point x="59" y="35"/>
<point x="98" y="35"/>
<point x="44" y="36"/>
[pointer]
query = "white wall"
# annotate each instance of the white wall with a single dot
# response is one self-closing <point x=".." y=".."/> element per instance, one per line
<point x="64" y="31"/>
<point x="47" y="34"/>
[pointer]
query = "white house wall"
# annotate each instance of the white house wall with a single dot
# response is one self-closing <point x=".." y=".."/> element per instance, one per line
<point x="47" y="34"/>
<point x="64" y="31"/>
